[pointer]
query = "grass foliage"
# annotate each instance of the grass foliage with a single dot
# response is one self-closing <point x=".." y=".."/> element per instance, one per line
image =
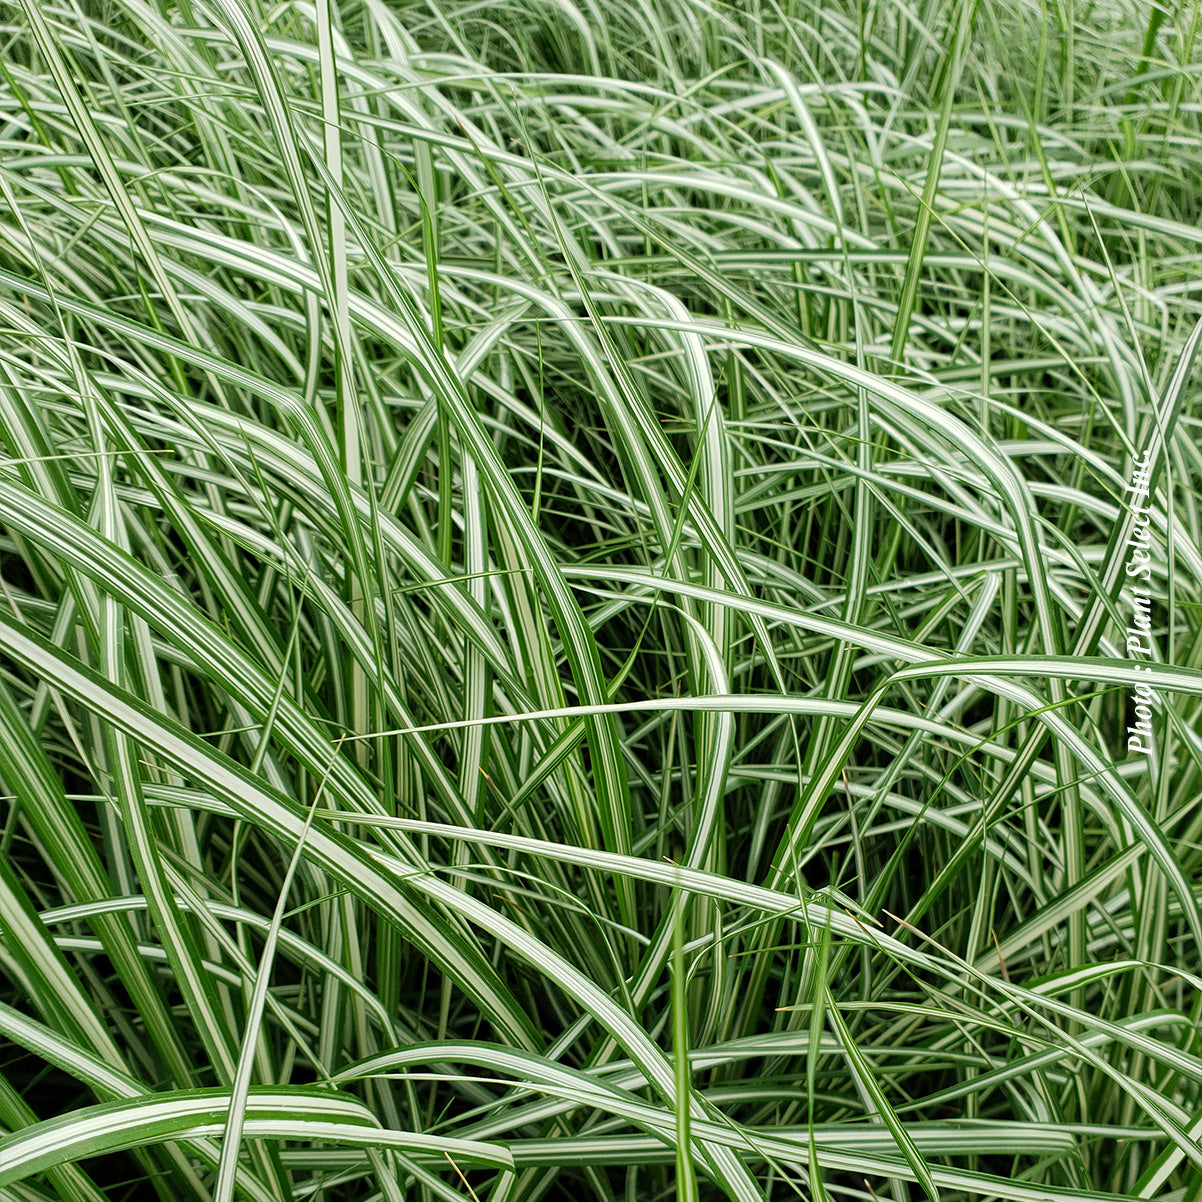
<point x="565" y="604"/>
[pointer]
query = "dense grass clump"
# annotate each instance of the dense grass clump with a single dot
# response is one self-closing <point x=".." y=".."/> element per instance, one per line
<point x="566" y="600"/>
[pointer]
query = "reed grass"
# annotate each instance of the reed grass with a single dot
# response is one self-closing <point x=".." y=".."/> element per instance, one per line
<point x="564" y="622"/>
